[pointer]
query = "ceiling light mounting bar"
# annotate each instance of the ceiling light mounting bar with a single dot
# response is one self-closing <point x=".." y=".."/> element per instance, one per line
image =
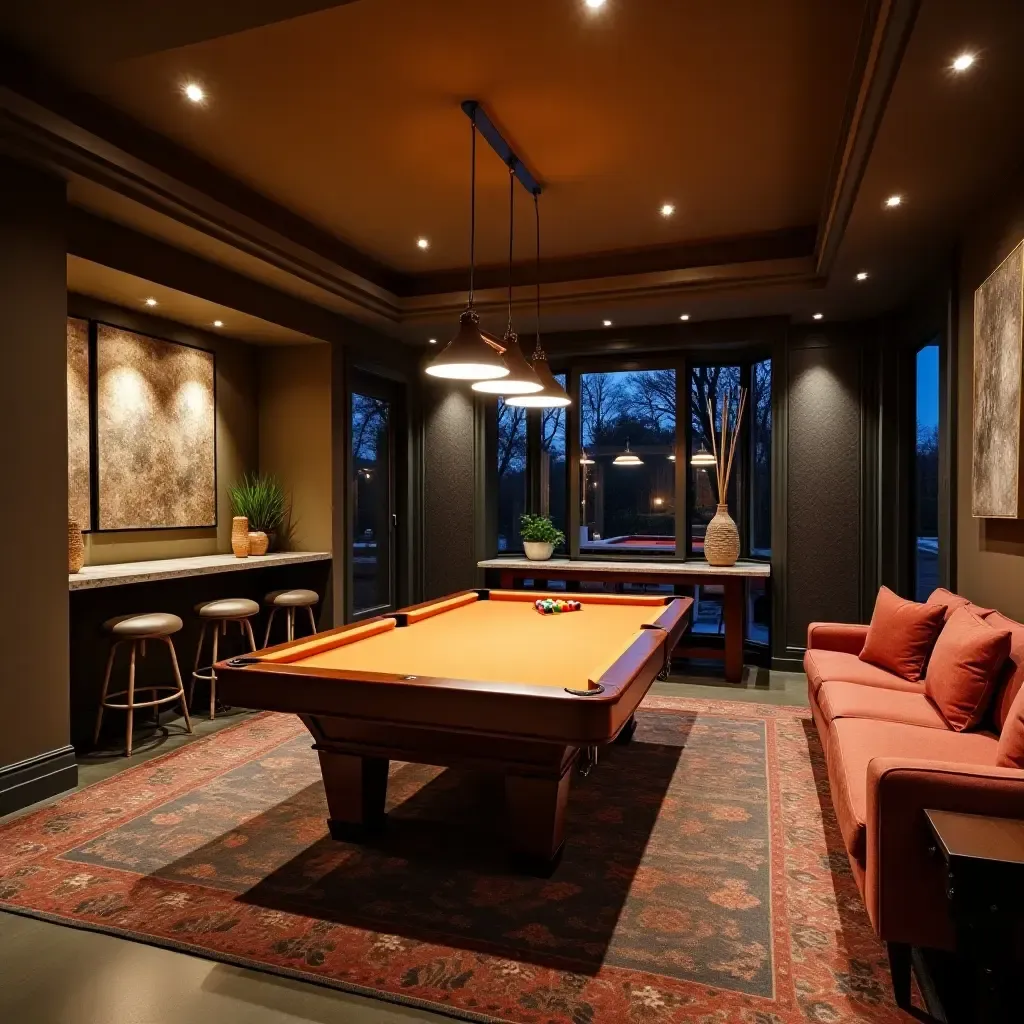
<point x="476" y="113"/>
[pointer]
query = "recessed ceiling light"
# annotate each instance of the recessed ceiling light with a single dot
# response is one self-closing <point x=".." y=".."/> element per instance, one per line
<point x="423" y="243"/>
<point x="893" y="201"/>
<point x="151" y="302"/>
<point x="818" y="316"/>
<point x="607" y="323"/>
<point x="218" y="323"/>
<point x="963" y="62"/>
<point x="685" y="316"/>
<point x="594" y="4"/>
<point x="862" y="276"/>
<point x="194" y="92"/>
<point x="667" y="209"/>
<point x="433" y="341"/>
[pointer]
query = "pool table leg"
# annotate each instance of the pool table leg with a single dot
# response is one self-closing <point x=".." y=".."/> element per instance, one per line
<point x="535" y="812"/>
<point x="356" y="789"/>
<point x="626" y="732"/>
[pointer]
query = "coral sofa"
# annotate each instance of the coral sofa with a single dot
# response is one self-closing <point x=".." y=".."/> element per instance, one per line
<point x="890" y="755"/>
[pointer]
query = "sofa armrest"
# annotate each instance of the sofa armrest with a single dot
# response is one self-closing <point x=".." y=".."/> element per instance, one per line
<point x="847" y="637"/>
<point x="905" y="882"/>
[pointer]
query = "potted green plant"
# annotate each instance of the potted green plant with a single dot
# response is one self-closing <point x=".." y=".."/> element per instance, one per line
<point x="260" y="499"/>
<point x="540" y="538"/>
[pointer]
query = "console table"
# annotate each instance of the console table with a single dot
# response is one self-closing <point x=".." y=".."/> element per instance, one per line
<point x="506" y="572"/>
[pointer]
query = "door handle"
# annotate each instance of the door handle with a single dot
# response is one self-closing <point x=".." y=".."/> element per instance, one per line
<point x="394" y="521"/>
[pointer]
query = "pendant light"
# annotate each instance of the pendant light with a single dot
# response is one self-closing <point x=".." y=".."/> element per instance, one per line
<point x="585" y="459"/>
<point x="703" y="458"/>
<point x="469" y="355"/>
<point x="521" y="379"/>
<point x="552" y="395"/>
<point x="627" y="458"/>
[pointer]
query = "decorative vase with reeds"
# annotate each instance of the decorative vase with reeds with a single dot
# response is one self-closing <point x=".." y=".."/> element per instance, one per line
<point x="722" y="539"/>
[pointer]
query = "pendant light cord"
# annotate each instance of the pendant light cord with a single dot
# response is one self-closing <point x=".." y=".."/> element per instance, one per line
<point x="536" y="214"/>
<point x="472" y="206"/>
<point x="511" y="235"/>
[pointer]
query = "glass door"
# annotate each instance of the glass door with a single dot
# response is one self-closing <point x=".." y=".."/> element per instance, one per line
<point x="373" y="519"/>
<point x="925" y="480"/>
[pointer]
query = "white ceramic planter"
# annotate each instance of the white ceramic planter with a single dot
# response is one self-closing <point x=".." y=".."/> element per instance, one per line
<point x="538" y="550"/>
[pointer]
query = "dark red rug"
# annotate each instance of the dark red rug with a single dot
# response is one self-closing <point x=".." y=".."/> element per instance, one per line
<point x="702" y="880"/>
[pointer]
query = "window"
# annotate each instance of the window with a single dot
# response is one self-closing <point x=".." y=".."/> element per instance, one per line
<point x="511" y="474"/>
<point x="925" y="540"/>
<point x="627" y="471"/>
<point x="552" y="464"/>
<point x="761" y="460"/>
<point x="371" y="496"/>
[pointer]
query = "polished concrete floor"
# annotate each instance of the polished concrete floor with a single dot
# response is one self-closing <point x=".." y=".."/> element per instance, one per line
<point x="51" y="974"/>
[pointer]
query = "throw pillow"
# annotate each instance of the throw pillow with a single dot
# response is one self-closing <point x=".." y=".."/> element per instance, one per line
<point x="902" y="634"/>
<point x="963" y="668"/>
<point x="940" y="595"/>
<point x="1010" y="752"/>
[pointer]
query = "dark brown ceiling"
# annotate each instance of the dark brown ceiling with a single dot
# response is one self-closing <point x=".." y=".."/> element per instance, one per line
<point x="350" y="117"/>
<point x="332" y="140"/>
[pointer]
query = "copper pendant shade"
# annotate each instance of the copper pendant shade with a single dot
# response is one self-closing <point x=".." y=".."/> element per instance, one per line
<point x="552" y="395"/>
<point x="521" y="379"/>
<point x="469" y="355"/>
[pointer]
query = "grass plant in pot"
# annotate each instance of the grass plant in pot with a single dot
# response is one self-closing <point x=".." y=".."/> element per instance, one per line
<point x="540" y="538"/>
<point x="261" y="500"/>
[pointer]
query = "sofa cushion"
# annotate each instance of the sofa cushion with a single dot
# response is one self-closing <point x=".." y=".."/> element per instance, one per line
<point x="902" y="634"/>
<point x="951" y="601"/>
<point x="838" y="699"/>
<point x="963" y="668"/>
<point x="1010" y="752"/>
<point x="853" y="742"/>
<point x="1012" y="676"/>
<point x="824" y="665"/>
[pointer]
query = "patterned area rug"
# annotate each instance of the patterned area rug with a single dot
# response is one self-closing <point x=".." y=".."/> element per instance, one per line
<point x="703" y="879"/>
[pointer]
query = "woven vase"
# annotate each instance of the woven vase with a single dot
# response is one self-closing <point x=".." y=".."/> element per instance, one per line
<point x="240" y="536"/>
<point x="258" y="542"/>
<point x="76" y="547"/>
<point x="722" y="540"/>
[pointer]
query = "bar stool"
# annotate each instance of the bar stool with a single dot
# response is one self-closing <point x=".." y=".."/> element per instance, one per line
<point x="136" y="630"/>
<point x="288" y="601"/>
<point x="219" y="614"/>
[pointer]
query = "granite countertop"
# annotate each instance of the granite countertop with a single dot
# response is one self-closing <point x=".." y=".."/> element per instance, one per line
<point x="691" y="567"/>
<point x="120" y="573"/>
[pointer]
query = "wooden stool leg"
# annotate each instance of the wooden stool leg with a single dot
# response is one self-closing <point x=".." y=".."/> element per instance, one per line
<point x="270" y="622"/>
<point x="130" y="711"/>
<point x="195" y="668"/>
<point x="181" y="687"/>
<point x="213" y="678"/>
<point x="290" y="613"/>
<point x="252" y="639"/>
<point x="312" y="620"/>
<point x="106" y="686"/>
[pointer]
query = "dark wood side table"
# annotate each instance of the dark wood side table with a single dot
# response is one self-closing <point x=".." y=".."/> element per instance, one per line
<point x="984" y="858"/>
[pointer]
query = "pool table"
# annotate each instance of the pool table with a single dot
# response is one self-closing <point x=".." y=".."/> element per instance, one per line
<point x="478" y="680"/>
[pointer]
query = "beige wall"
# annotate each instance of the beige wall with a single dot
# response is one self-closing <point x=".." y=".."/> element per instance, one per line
<point x="237" y="438"/>
<point x="990" y="552"/>
<point x="295" y="438"/>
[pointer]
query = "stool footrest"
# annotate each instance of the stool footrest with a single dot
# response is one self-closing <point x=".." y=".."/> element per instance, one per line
<point x="176" y="695"/>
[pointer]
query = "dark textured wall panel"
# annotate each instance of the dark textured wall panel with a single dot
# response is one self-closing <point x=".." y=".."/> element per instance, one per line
<point x="824" y="489"/>
<point x="449" y="455"/>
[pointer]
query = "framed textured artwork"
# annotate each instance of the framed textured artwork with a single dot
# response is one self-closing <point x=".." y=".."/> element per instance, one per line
<point x="998" y="337"/>
<point x="79" y="442"/>
<point x="156" y="438"/>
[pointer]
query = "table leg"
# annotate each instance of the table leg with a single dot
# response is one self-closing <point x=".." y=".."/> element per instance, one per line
<point x="626" y="732"/>
<point x="535" y="810"/>
<point x="356" y="789"/>
<point x="734" y="629"/>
